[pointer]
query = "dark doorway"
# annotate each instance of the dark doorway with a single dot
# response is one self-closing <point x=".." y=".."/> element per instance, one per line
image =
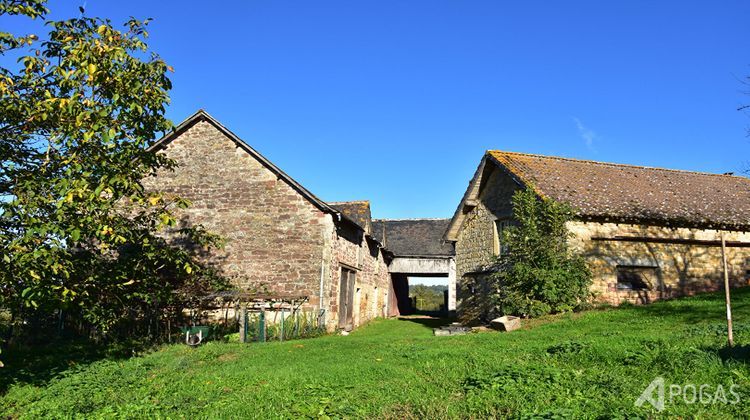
<point x="403" y="300"/>
<point x="400" y="303"/>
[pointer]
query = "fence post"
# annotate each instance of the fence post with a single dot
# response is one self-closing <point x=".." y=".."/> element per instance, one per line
<point x="322" y="320"/>
<point x="243" y="323"/>
<point x="296" y="324"/>
<point x="281" y="334"/>
<point x="262" y="323"/>
<point x="730" y="334"/>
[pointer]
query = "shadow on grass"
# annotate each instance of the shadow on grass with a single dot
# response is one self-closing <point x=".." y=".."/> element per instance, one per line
<point x="39" y="364"/>
<point x="736" y="353"/>
<point x="702" y="307"/>
<point x="427" y="321"/>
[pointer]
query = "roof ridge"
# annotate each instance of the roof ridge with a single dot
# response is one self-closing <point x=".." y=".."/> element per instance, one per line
<point x="626" y="165"/>
<point x="347" y="202"/>
<point x="202" y="114"/>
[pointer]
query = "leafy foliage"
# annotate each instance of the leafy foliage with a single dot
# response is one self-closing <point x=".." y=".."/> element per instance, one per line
<point x="78" y="232"/>
<point x="539" y="274"/>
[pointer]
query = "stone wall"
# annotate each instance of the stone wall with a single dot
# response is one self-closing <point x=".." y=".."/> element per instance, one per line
<point x="375" y="282"/>
<point x="678" y="269"/>
<point x="476" y="242"/>
<point x="274" y="236"/>
<point x="353" y="250"/>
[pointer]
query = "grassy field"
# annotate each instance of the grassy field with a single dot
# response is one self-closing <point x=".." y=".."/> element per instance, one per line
<point x="593" y="364"/>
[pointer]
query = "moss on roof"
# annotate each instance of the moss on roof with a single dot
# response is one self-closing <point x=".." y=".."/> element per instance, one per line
<point x="635" y="194"/>
<point x="356" y="211"/>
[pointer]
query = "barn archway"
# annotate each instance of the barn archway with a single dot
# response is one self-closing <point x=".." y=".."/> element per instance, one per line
<point x="418" y="250"/>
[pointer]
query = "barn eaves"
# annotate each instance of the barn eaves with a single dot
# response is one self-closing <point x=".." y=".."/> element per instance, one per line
<point x="609" y="192"/>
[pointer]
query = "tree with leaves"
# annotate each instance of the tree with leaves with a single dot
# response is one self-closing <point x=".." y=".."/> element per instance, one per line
<point x="538" y="273"/>
<point x="78" y="232"/>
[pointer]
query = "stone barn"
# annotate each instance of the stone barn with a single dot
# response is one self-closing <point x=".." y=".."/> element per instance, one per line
<point x="646" y="233"/>
<point x="278" y="234"/>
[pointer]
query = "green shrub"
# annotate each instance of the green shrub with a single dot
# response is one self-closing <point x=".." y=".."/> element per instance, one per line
<point x="537" y="273"/>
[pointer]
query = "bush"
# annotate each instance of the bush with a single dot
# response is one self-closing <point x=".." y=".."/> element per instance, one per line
<point x="538" y="274"/>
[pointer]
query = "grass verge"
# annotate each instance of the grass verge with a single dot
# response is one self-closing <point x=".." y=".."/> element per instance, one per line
<point x="592" y="364"/>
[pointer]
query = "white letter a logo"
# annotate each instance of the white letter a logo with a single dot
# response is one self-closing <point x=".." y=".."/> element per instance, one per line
<point x="648" y="394"/>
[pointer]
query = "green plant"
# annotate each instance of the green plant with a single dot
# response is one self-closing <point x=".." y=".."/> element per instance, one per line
<point x="538" y="273"/>
<point x="79" y="234"/>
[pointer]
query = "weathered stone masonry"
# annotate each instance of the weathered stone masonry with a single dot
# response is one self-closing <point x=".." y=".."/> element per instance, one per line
<point x="679" y="269"/>
<point x="475" y="244"/>
<point x="627" y="216"/>
<point x="474" y="248"/>
<point x="277" y="233"/>
<point x="233" y="195"/>
<point x="365" y="257"/>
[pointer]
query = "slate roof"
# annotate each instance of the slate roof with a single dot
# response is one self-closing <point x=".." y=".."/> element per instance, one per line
<point x="636" y="194"/>
<point x="413" y="237"/>
<point x="357" y="211"/>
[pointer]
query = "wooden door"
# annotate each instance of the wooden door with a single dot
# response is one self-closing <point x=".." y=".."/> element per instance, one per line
<point x="346" y="299"/>
<point x="350" y="305"/>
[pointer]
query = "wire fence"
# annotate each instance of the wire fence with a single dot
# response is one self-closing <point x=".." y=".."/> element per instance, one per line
<point x="280" y="325"/>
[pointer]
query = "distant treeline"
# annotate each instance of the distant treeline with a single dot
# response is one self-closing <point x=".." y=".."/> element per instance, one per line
<point x="427" y="298"/>
<point x="439" y="288"/>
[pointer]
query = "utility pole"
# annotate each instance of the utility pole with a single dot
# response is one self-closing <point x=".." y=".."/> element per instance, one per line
<point x="726" y="290"/>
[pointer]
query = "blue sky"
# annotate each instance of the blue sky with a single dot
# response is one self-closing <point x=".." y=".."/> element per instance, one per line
<point x="396" y="101"/>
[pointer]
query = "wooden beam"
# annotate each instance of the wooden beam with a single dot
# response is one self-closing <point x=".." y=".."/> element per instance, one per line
<point x="674" y="241"/>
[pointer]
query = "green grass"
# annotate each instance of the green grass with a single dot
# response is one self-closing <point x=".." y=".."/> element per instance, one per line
<point x="593" y="364"/>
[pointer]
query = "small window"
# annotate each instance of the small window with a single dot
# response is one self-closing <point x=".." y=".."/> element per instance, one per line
<point x="500" y="227"/>
<point x="635" y="277"/>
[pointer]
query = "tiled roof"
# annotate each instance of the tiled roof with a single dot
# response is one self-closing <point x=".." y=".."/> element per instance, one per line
<point x="627" y="193"/>
<point x="357" y="211"/>
<point x="413" y="237"/>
